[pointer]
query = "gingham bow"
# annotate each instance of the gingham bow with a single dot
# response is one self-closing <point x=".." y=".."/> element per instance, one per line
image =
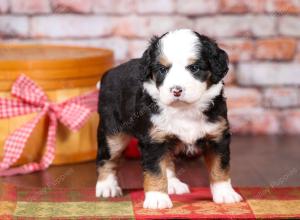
<point x="31" y="98"/>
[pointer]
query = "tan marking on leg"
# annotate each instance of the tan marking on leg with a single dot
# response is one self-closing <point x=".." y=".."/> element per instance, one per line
<point x="109" y="167"/>
<point x="179" y="148"/>
<point x="154" y="182"/>
<point x="159" y="182"/>
<point x="117" y="144"/>
<point x="213" y="163"/>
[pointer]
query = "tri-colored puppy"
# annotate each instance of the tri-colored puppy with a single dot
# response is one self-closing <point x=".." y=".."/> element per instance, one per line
<point x="171" y="100"/>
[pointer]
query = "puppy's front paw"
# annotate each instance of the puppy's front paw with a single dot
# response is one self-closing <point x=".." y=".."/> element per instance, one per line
<point x="223" y="192"/>
<point x="157" y="200"/>
<point x="108" y="187"/>
<point x="175" y="186"/>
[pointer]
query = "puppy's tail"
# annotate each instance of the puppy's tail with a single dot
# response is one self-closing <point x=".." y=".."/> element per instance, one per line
<point x="98" y="85"/>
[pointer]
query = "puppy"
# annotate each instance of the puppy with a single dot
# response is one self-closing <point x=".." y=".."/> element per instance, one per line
<point x="171" y="99"/>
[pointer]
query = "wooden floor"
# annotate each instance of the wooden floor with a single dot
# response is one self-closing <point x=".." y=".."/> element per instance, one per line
<point x="256" y="161"/>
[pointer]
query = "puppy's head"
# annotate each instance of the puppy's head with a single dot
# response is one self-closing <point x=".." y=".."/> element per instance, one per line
<point x="182" y="65"/>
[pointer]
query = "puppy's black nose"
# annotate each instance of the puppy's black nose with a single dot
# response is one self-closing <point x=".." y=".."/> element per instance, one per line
<point x="176" y="90"/>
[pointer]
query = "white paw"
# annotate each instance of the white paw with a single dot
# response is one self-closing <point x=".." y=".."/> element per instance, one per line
<point x="223" y="192"/>
<point x="108" y="187"/>
<point x="157" y="200"/>
<point x="175" y="186"/>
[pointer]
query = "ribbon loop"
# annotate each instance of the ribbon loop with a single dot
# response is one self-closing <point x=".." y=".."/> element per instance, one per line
<point x="27" y="90"/>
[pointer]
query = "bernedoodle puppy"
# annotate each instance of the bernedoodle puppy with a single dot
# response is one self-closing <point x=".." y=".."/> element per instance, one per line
<point x="171" y="99"/>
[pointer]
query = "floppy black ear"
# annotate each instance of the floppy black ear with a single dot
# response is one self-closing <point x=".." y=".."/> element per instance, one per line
<point x="148" y="58"/>
<point x="218" y="65"/>
<point x="217" y="59"/>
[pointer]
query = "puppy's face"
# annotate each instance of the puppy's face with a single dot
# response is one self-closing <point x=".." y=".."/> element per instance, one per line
<point x="183" y="65"/>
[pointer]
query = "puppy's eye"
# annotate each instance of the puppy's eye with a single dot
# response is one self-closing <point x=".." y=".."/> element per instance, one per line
<point x="162" y="70"/>
<point x="194" y="68"/>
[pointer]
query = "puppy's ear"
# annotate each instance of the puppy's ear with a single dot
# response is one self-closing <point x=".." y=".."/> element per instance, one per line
<point x="148" y="58"/>
<point x="219" y="65"/>
<point x="217" y="59"/>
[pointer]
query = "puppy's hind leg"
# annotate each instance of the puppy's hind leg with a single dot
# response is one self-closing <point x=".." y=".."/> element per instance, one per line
<point x="175" y="186"/>
<point x="110" y="148"/>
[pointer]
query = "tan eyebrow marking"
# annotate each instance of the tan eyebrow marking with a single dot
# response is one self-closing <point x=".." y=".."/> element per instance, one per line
<point x="191" y="61"/>
<point x="164" y="61"/>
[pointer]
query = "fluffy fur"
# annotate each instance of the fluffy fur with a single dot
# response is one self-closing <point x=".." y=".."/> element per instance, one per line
<point x="170" y="97"/>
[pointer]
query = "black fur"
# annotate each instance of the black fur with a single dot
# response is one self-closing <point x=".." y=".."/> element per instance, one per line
<point x="217" y="108"/>
<point x="216" y="58"/>
<point x="221" y="148"/>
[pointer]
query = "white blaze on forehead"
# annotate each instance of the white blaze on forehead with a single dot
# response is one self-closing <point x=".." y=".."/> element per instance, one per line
<point x="180" y="45"/>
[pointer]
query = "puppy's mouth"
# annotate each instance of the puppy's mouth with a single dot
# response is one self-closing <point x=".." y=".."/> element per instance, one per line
<point x="179" y="103"/>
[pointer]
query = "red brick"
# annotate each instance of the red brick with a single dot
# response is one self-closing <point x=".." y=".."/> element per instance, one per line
<point x="30" y="6"/>
<point x="242" y="6"/>
<point x="145" y="27"/>
<point x="233" y="6"/>
<point x="257" y="6"/>
<point x="113" y="6"/>
<point x="224" y="26"/>
<point x="155" y="6"/>
<point x="269" y="73"/>
<point x="167" y="23"/>
<point x="275" y="49"/>
<point x="79" y="6"/>
<point x="3" y="6"/>
<point x="281" y="97"/>
<point x="290" y="26"/>
<point x="132" y="26"/>
<point x="297" y="57"/>
<point x="238" y="97"/>
<point x="66" y="26"/>
<point x="232" y="26"/>
<point x="291" y="121"/>
<point x="283" y="7"/>
<point x="253" y="121"/>
<point x="196" y="7"/>
<point x="14" y="26"/>
<point x="238" y="50"/>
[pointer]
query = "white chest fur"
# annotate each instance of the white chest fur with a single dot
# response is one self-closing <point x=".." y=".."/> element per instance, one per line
<point x="187" y="124"/>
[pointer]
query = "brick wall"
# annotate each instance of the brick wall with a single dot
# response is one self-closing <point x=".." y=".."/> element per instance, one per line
<point x="262" y="38"/>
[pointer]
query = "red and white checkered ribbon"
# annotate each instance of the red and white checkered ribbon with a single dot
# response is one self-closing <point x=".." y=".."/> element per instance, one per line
<point x="31" y="98"/>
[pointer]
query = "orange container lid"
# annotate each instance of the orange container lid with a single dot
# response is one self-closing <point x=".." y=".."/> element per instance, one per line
<point x="53" y="67"/>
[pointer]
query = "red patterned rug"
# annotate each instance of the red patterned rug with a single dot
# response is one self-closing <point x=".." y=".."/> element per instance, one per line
<point x="46" y="203"/>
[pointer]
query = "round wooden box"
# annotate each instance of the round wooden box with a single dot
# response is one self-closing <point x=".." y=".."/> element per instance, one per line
<point x="63" y="72"/>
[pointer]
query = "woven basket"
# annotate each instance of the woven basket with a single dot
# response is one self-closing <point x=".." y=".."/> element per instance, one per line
<point x="63" y="72"/>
